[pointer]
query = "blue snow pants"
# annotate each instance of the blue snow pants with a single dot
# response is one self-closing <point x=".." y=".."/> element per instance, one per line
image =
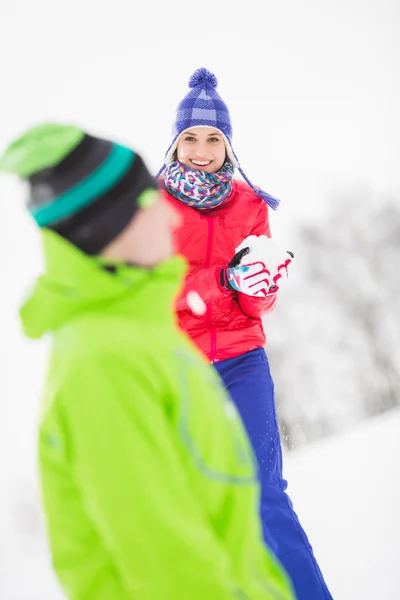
<point x="248" y="380"/>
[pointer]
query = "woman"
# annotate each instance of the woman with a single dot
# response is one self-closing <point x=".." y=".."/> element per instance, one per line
<point x="219" y="213"/>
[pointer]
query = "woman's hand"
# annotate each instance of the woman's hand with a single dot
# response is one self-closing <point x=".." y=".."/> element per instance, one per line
<point x="258" y="267"/>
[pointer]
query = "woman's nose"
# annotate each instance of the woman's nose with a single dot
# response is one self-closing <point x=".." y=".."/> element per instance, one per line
<point x="201" y="149"/>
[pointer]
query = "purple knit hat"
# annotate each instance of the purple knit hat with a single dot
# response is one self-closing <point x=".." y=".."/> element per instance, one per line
<point x="203" y="107"/>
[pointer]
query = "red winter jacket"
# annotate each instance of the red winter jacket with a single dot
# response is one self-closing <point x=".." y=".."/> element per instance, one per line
<point x="207" y="239"/>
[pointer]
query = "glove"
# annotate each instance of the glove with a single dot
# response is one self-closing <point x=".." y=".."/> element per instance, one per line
<point x="258" y="267"/>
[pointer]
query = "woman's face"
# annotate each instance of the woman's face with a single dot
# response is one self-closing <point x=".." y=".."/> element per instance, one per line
<point x="202" y="148"/>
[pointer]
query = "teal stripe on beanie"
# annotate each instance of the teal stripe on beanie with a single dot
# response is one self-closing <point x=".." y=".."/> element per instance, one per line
<point x="88" y="190"/>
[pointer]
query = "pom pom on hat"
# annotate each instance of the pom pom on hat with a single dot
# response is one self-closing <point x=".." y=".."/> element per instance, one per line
<point x="203" y="76"/>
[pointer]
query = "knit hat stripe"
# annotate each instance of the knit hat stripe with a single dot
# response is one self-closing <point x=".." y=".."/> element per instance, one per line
<point x="77" y="166"/>
<point x="204" y="103"/>
<point x="199" y="114"/>
<point x="204" y="114"/>
<point x="88" y="190"/>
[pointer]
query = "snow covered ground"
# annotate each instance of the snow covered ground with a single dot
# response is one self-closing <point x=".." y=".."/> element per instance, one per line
<point x="347" y="493"/>
<point x="346" y="490"/>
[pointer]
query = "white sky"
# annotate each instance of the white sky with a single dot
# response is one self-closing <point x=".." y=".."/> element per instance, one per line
<point x="313" y="87"/>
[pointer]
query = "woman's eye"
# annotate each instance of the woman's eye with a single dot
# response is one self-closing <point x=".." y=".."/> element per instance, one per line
<point x="189" y="139"/>
<point x="213" y="139"/>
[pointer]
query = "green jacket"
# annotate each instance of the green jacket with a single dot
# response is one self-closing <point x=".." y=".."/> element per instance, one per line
<point x="147" y="476"/>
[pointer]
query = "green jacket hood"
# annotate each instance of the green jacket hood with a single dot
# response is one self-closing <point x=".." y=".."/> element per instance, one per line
<point x="74" y="283"/>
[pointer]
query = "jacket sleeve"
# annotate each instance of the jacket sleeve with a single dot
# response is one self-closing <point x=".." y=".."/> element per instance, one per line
<point x="142" y="532"/>
<point x="256" y="307"/>
<point x="206" y="282"/>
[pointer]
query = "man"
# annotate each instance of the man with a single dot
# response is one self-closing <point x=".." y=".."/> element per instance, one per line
<point x="148" y="479"/>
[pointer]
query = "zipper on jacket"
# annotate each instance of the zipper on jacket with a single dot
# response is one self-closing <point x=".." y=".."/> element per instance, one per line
<point x="213" y="336"/>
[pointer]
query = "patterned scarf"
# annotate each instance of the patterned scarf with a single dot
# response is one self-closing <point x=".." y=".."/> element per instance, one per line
<point x="199" y="189"/>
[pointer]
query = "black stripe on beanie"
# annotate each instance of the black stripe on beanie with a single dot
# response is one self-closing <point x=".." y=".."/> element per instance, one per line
<point x="95" y="226"/>
<point x="47" y="184"/>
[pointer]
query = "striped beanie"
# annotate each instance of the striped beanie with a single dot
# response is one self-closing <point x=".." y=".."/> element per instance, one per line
<point x="85" y="188"/>
<point x="203" y="107"/>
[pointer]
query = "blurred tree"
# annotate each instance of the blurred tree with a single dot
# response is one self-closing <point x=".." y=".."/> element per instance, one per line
<point x="334" y="339"/>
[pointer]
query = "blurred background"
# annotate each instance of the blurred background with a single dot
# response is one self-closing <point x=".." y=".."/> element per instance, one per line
<point x="313" y="89"/>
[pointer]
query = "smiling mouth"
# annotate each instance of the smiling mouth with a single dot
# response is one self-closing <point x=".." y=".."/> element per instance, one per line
<point x="201" y="163"/>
